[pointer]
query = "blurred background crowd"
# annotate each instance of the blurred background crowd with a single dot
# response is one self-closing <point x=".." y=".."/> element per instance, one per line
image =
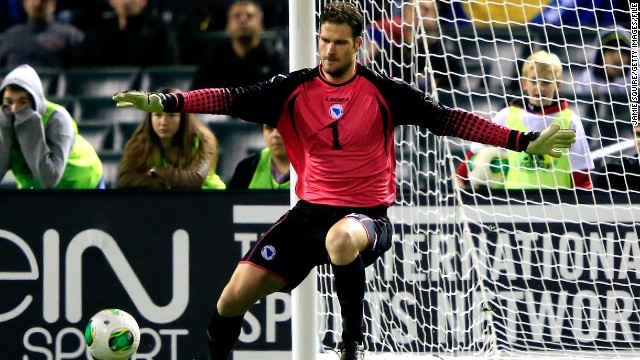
<point x="86" y="50"/>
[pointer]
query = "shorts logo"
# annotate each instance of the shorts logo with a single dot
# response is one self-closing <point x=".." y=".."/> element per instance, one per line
<point x="336" y="111"/>
<point x="268" y="252"/>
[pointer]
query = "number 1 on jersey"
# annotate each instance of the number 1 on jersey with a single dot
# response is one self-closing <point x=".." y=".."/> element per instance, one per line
<point x="336" y="137"/>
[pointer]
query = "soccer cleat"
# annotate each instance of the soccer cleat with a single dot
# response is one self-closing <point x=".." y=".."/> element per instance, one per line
<point x="351" y="350"/>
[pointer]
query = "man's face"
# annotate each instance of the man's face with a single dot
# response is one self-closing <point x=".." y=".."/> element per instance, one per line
<point x="16" y="99"/>
<point x="541" y="89"/>
<point x="40" y="9"/>
<point x="273" y="140"/>
<point x="244" y="21"/>
<point x="337" y="49"/>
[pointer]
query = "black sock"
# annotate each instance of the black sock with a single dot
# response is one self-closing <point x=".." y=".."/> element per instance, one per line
<point x="222" y="334"/>
<point x="350" y="286"/>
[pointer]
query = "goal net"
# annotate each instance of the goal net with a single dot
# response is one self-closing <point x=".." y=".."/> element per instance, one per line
<point x="478" y="270"/>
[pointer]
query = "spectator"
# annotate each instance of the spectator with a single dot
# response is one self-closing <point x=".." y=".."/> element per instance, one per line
<point x="267" y="169"/>
<point x="41" y="41"/>
<point x="243" y="58"/>
<point x="610" y="70"/>
<point x="541" y="107"/>
<point x="39" y="141"/>
<point x="170" y="150"/>
<point x="408" y="35"/>
<point x="130" y="37"/>
<point x="622" y="173"/>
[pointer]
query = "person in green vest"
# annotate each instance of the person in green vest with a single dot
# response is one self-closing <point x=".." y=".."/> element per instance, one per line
<point x="170" y="150"/>
<point x="266" y="169"/>
<point x="39" y="140"/>
<point x="540" y="107"/>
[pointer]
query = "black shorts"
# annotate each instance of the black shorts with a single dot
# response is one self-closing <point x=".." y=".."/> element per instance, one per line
<point x="295" y="244"/>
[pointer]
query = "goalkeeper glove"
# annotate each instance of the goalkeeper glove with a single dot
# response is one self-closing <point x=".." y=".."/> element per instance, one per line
<point x="550" y="141"/>
<point x="142" y="100"/>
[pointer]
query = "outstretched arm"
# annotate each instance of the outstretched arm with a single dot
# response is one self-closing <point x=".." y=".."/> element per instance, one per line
<point x="417" y="108"/>
<point x="261" y="103"/>
<point x="204" y="101"/>
<point x="468" y="126"/>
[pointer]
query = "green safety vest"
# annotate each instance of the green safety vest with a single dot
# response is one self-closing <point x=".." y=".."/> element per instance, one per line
<point x="535" y="171"/>
<point x="82" y="171"/>
<point x="262" y="177"/>
<point x="211" y="182"/>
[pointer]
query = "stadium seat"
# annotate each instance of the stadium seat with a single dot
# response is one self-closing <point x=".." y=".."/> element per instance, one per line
<point x="156" y="77"/>
<point x="488" y="58"/>
<point x="104" y="109"/>
<point x="237" y="139"/>
<point x="67" y="102"/>
<point x="125" y="130"/>
<point x="99" y="134"/>
<point x="484" y="105"/>
<point x="99" y="81"/>
<point x="50" y="78"/>
<point x="110" y="161"/>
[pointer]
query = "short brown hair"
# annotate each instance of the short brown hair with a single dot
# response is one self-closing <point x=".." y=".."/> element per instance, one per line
<point x="340" y="12"/>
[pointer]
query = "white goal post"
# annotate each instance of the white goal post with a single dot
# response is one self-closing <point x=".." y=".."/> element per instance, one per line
<point x="487" y="272"/>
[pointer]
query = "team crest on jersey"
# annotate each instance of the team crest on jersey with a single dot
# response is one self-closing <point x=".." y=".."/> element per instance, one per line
<point x="336" y="111"/>
<point x="268" y="252"/>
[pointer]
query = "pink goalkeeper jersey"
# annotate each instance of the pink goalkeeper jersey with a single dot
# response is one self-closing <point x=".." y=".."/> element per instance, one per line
<point x="339" y="137"/>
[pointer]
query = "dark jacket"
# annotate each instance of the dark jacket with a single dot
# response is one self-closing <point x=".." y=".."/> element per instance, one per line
<point x="622" y="174"/>
<point x="146" y="41"/>
<point x="40" y="45"/>
<point x="243" y="174"/>
<point x="221" y="67"/>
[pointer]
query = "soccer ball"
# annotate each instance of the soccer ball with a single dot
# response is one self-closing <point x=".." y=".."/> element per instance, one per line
<point x="489" y="168"/>
<point x="112" y="334"/>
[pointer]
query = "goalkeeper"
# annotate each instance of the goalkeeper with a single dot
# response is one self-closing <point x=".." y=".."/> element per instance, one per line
<point x="540" y="108"/>
<point x="337" y="121"/>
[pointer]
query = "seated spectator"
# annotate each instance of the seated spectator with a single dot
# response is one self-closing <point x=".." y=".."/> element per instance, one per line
<point x="39" y="141"/>
<point x="622" y="173"/>
<point x="41" y="41"/>
<point x="129" y="37"/>
<point x="408" y="35"/>
<point x="243" y="59"/>
<point x="610" y="70"/>
<point x="540" y="108"/>
<point x="267" y="169"/>
<point x="170" y="150"/>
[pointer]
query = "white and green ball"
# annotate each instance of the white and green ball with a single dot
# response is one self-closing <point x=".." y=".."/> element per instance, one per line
<point x="489" y="168"/>
<point x="112" y="334"/>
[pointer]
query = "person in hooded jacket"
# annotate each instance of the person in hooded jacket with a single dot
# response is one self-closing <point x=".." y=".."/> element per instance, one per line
<point x="39" y="141"/>
<point x="609" y="71"/>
